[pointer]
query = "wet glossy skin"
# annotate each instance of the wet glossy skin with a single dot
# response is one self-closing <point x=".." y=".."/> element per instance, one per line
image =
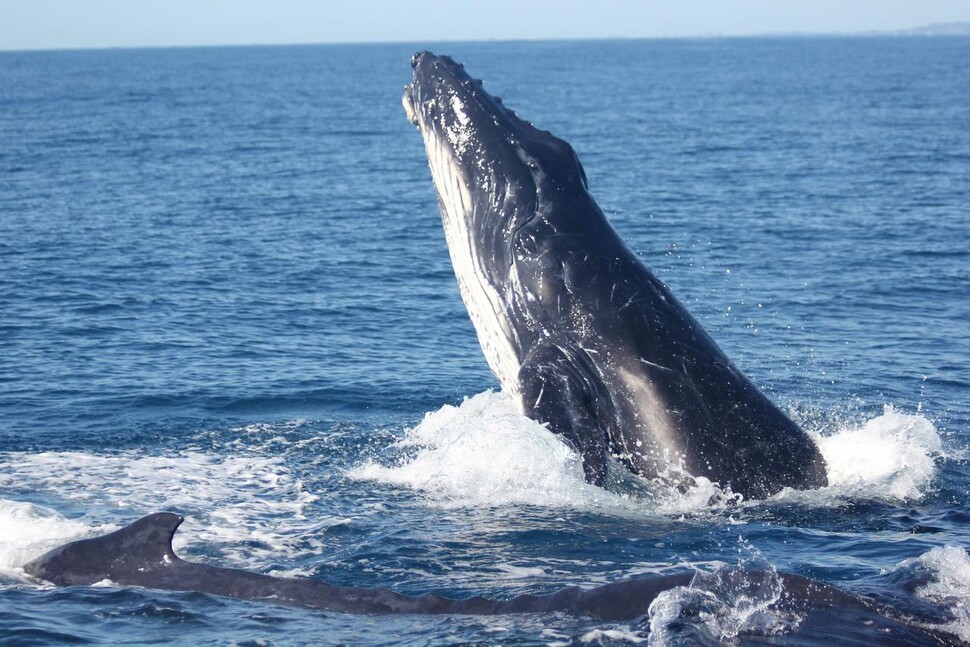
<point x="574" y="327"/>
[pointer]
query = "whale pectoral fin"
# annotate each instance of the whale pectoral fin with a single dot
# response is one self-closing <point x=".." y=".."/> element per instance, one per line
<point x="560" y="392"/>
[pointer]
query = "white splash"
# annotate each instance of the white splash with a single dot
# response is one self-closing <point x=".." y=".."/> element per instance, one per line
<point x="28" y="531"/>
<point x="896" y="450"/>
<point x="484" y="453"/>
<point x="249" y="507"/>
<point x="721" y="605"/>
<point x="891" y="457"/>
<point x="948" y="585"/>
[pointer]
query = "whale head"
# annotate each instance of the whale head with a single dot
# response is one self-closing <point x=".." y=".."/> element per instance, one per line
<point x="494" y="174"/>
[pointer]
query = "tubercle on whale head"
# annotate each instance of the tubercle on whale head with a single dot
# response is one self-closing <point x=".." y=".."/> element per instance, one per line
<point x="445" y="102"/>
<point x="494" y="174"/>
<point x="482" y="152"/>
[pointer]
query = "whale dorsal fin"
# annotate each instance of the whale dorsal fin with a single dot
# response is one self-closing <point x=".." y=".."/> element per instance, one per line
<point x="148" y="538"/>
<point x="142" y="546"/>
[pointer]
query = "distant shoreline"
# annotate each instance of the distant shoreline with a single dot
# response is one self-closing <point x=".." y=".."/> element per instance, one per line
<point x="933" y="30"/>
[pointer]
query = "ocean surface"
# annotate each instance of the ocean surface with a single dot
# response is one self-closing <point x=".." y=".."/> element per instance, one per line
<point x="225" y="292"/>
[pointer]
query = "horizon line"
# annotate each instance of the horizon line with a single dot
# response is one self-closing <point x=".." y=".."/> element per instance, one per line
<point x="912" y="32"/>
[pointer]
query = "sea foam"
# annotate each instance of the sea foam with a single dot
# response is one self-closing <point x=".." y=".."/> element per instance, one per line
<point x="30" y="530"/>
<point x="944" y="575"/>
<point x="248" y="508"/>
<point x="483" y="452"/>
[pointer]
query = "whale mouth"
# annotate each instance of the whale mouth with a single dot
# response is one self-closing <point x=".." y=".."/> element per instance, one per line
<point x="478" y="175"/>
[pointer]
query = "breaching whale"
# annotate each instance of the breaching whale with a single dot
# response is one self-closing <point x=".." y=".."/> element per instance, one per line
<point x="141" y="554"/>
<point x="574" y="327"/>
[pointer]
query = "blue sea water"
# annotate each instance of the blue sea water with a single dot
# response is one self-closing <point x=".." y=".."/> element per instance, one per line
<point x="225" y="292"/>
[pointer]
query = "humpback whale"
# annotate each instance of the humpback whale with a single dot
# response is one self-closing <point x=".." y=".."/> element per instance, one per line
<point x="575" y="328"/>
<point x="141" y="555"/>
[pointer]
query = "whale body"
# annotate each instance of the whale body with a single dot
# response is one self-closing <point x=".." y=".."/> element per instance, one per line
<point x="575" y="328"/>
<point x="141" y="555"/>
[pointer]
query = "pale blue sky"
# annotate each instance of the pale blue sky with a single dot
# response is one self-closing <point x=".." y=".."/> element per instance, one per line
<point x="56" y="24"/>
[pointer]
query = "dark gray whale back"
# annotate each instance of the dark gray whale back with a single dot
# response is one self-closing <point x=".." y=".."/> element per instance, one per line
<point x="575" y="328"/>
<point x="140" y="547"/>
<point x="141" y="555"/>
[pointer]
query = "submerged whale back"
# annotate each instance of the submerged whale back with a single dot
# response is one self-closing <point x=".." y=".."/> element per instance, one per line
<point x="141" y="555"/>
<point x="145" y="544"/>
